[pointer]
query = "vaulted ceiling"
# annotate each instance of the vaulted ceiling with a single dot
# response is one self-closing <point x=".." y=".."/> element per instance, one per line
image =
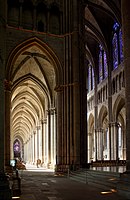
<point x="33" y="76"/>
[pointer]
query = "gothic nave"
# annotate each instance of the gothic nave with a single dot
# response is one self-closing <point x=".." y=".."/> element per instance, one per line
<point x="64" y="83"/>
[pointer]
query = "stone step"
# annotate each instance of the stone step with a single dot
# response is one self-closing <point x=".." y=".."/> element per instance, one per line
<point x="104" y="180"/>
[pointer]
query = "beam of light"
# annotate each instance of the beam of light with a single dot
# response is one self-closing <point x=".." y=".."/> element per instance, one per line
<point x="112" y="179"/>
<point x="107" y="192"/>
<point x="113" y="190"/>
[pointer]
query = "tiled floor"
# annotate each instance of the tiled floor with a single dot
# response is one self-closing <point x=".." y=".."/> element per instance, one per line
<point x="41" y="184"/>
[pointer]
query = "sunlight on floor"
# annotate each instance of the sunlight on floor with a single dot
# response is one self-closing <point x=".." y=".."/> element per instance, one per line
<point x="34" y="168"/>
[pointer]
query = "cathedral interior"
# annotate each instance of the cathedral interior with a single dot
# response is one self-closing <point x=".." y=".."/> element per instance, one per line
<point x="64" y="83"/>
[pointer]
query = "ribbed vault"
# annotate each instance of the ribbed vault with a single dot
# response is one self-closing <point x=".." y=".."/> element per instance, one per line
<point x="33" y="77"/>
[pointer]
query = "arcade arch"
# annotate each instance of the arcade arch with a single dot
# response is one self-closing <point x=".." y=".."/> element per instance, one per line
<point x="33" y="71"/>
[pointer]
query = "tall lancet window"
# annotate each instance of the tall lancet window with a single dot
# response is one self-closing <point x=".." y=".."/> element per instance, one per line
<point x="117" y="45"/>
<point x="115" y="50"/>
<point x="100" y="64"/>
<point x="121" y="45"/>
<point x="103" y="67"/>
<point x="90" y="78"/>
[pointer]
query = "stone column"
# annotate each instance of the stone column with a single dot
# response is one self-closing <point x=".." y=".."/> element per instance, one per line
<point x="114" y="141"/>
<point x="101" y="143"/>
<point x="7" y="122"/>
<point x="32" y="148"/>
<point x="59" y="129"/>
<point x="38" y="129"/>
<point x="45" y="142"/>
<point x="95" y="111"/>
<point x="53" y="135"/>
<point x="29" y="149"/>
<point x="110" y="116"/>
<point x="89" y="147"/>
<point x="2" y="127"/>
<point x="96" y="145"/>
<point x="83" y="88"/>
<point x="125" y="5"/>
<point x="2" y="84"/>
<point x="54" y="150"/>
<point x="76" y="79"/>
<point x="42" y="141"/>
<point x="116" y="154"/>
<point x="110" y="141"/>
<point x="34" y="145"/>
<point x="48" y="138"/>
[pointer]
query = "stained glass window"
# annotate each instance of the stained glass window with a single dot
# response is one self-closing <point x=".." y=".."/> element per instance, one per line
<point x="117" y="45"/>
<point x="121" y="45"/>
<point x="17" y="149"/>
<point x="100" y="64"/>
<point x="115" y="51"/>
<point x="90" y="78"/>
<point x="105" y="66"/>
<point x="116" y="26"/>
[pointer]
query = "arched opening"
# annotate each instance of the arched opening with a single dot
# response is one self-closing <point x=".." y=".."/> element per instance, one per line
<point x="119" y="117"/>
<point x="33" y="104"/>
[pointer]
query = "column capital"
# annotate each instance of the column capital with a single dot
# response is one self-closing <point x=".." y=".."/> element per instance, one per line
<point x="52" y="111"/>
<point x="38" y="127"/>
<point x="115" y="124"/>
<point x="101" y="130"/>
<point x="45" y="121"/>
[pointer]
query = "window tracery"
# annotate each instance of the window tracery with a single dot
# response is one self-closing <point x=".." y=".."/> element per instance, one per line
<point x="103" y="67"/>
<point x="117" y="45"/>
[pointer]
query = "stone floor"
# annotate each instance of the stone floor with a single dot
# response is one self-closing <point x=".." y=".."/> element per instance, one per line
<point x="41" y="184"/>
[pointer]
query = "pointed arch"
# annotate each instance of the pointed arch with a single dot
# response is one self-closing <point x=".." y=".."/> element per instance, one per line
<point x="117" y="107"/>
<point x="102" y="115"/>
<point x="90" y="122"/>
<point x="34" y="41"/>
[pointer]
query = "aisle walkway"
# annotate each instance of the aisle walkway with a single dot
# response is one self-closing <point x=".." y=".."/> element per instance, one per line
<point x="42" y="184"/>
